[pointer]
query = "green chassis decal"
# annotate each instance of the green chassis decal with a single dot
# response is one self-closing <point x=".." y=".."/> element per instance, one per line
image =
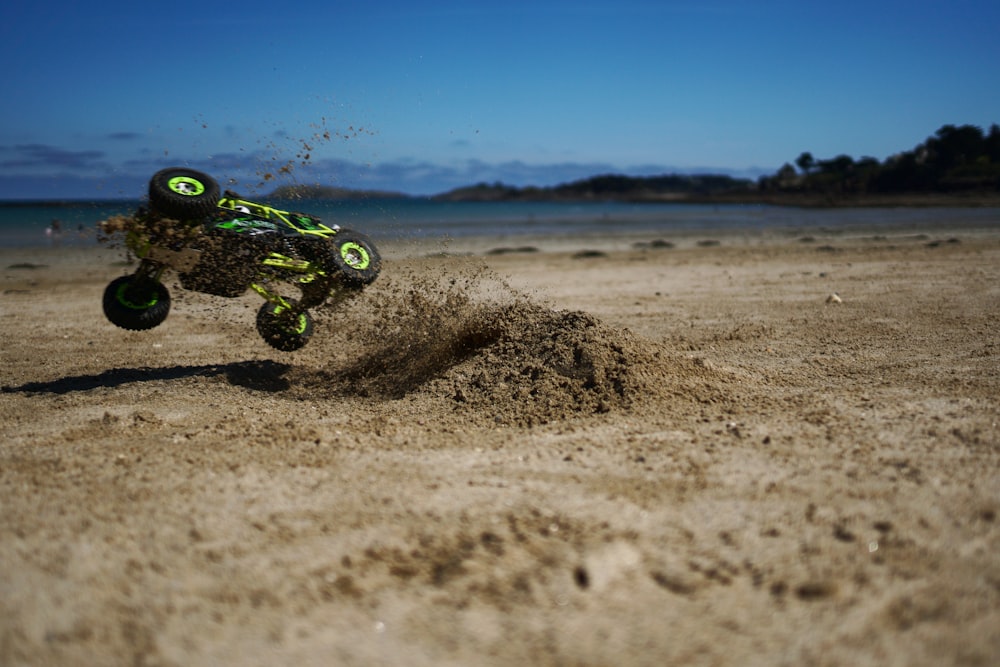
<point x="306" y="223"/>
<point x="120" y="296"/>
<point x="251" y="225"/>
<point x="187" y="186"/>
<point x="356" y="256"/>
<point x="301" y="222"/>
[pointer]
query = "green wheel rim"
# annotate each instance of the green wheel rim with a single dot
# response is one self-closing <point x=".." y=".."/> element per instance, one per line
<point x="298" y="326"/>
<point x="123" y="299"/>
<point x="185" y="185"/>
<point x="355" y="256"/>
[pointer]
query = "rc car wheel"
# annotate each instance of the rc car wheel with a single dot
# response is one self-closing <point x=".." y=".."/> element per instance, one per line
<point x="136" y="304"/>
<point x="183" y="194"/>
<point x="355" y="259"/>
<point x="284" y="330"/>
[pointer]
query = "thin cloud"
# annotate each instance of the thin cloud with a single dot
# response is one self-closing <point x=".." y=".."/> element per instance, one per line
<point x="28" y="170"/>
<point x="41" y="156"/>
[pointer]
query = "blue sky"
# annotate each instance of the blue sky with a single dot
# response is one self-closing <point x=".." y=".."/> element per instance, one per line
<point x="423" y="97"/>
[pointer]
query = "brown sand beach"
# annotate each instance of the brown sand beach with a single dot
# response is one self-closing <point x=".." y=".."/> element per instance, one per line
<point x="568" y="452"/>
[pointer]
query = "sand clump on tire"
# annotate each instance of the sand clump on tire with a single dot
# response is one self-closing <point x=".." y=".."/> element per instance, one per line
<point x="494" y="355"/>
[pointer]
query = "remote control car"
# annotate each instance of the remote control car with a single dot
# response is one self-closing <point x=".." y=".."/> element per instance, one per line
<point x="224" y="245"/>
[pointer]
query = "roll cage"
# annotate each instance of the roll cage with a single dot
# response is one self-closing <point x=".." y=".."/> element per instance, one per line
<point x="294" y="223"/>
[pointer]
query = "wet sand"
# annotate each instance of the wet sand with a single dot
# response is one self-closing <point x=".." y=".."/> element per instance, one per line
<point x="562" y="452"/>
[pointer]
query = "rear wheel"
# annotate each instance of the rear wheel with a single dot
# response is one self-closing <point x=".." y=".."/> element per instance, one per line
<point x="282" y="327"/>
<point x="136" y="304"/>
<point x="183" y="194"/>
<point x="355" y="259"/>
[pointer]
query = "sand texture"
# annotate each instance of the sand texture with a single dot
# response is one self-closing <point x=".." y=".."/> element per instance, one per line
<point x="623" y="453"/>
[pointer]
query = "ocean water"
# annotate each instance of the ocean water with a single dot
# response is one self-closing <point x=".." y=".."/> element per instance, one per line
<point x="26" y="225"/>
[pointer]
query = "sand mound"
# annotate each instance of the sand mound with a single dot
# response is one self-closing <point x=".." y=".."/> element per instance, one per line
<point x="536" y="365"/>
<point x="493" y="354"/>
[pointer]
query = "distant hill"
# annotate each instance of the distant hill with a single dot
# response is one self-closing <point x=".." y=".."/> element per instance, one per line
<point x="609" y="187"/>
<point x="958" y="165"/>
<point x="329" y="192"/>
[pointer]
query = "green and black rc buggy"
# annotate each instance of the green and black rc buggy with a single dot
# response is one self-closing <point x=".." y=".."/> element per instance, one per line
<point x="222" y="244"/>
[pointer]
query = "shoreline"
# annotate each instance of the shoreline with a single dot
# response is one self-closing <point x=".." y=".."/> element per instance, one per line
<point x="597" y="238"/>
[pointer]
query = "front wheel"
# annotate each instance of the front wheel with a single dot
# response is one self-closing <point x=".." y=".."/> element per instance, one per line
<point x="136" y="304"/>
<point x="282" y="327"/>
<point x="183" y="194"/>
<point x="355" y="259"/>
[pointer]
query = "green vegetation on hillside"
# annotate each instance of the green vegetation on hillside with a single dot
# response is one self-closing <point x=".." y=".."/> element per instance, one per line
<point x="960" y="159"/>
<point x="959" y="164"/>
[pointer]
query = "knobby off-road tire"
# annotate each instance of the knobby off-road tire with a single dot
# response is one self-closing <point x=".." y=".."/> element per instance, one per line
<point x="183" y="194"/>
<point x="136" y="304"/>
<point x="284" y="330"/>
<point x="355" y="260"/>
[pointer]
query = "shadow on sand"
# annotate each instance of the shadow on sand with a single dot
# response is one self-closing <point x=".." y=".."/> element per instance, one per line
<point x="258" y="375"/>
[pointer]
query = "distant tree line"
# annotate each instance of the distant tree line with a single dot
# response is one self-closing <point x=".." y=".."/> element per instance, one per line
<point x="956" y="159"/>
<point x="616" y="186"/>
<point x="608" y="187"/>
